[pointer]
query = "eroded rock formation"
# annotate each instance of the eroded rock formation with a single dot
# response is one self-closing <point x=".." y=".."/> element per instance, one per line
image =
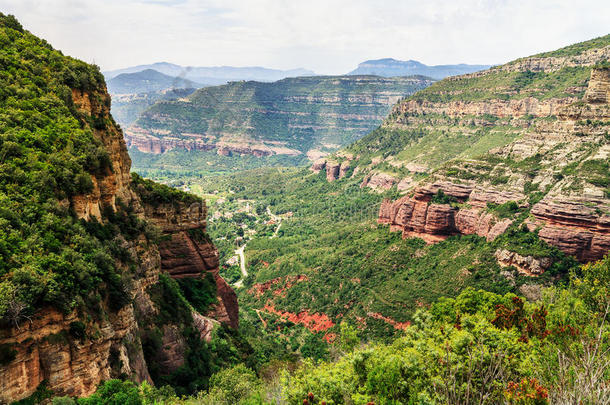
<point x="418" y="216"/>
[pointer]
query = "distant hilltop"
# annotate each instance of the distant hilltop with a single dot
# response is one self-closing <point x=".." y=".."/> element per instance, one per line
<point x="389" y="67"/>
<point x="214" y="75"/>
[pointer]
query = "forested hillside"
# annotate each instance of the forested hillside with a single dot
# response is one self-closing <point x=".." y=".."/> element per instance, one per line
<point x="294" y="118"/>
<point x="102" y="275"/>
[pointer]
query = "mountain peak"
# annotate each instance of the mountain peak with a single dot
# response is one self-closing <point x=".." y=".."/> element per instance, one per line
<point x="389" y="67"/>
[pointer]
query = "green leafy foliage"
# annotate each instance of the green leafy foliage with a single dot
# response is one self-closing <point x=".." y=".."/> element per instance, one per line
<point x="156" y="194"/>
<point x="48" y="153"/>
<point x="478" y="347"/>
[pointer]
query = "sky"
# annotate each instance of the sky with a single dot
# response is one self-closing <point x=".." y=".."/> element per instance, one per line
<point x="326" y="36"/>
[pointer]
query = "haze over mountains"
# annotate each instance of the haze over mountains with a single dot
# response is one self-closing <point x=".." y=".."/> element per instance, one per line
<point x="214" y="75"/>
<point x="210" y="76"/>
<point x="146" y="81"/>
<point x="389" y="67"/>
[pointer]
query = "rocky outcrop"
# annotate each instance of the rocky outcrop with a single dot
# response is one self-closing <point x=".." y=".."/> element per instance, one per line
<point x="528" y="265"/>
<point x="598" y="91"/>
<point x="45" y="351"/>
<point x="378" y="181"/>
<point x="513" y="108"/>
<point x="187" y="252"/>
<point x="578" y="228"/>
<point x="334" y="170"/>
<point x="112" y="182"/>
<point x="318" y="165"/>
<point x="418" y="216"/>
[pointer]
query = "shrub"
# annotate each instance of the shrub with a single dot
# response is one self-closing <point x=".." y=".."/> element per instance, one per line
<point x="78" y="330"/>
<point x="441" y="198"/>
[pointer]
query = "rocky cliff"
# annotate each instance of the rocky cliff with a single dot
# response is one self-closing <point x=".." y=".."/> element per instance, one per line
<point x="97" y="335"/>
<point x="294" y="116"/>
<point x="186" y="252"/>
<point x="522" y="143"/>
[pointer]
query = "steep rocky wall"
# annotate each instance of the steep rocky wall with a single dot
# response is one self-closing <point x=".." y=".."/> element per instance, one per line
<point x="418" y="216"/>
<point x="46" y="346"/>
<point x="187" y="253"/>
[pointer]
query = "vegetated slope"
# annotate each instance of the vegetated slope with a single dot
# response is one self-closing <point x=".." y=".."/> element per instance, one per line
<point x="214" y="75"/>
<point x="101" y="274"/>
<point x="478" y="347"/>
<point x="498" y="222"/>
<point x="523" y="143"/>
<point x="389" y="67"/>
<point x="331" y="262"/>
<point x="292" y="117"/>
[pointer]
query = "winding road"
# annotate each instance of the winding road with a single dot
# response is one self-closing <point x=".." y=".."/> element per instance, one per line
<point x="242" y="265"/>
<point x="240" y="252"/>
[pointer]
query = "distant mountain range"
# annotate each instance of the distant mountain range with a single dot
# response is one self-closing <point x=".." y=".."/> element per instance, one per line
<point x="389" y="67"/>
<point x="163" y="75"/>
<point x="214" y="75"/>
<point x="147" y="81"/>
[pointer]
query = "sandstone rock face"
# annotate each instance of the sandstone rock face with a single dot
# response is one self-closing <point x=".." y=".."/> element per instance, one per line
<point x="111" y="184"/>
<point x="378" y="181"/>
<point x="332" y="170"/>
<point x="204" y="325"/>
<point x="576" y="228"/>
<point x="45" y="349"/>
<point x="417" y="216"/>
<point x="71" y="367"/>
<point x="185" y="254"/>
<point x="499" y="108"/>
<point x="527" y="265"/>
<point x="598" y="91"/>
<point x="345" y="166"/>
<point x="318" y="165"/>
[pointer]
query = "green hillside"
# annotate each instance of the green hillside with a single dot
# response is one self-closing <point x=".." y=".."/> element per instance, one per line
<point x="302" y="114"/>
<point x="47" y="152"/>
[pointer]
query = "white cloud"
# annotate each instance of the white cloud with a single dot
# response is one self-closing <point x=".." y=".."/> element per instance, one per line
<point x="328" y="36"/>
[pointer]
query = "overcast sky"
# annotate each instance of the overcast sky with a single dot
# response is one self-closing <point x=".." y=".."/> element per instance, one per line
<point x="327" y="36"/>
